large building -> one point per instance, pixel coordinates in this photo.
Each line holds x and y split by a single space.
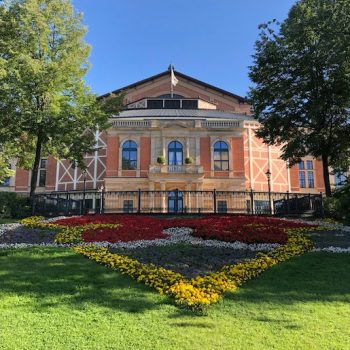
200 137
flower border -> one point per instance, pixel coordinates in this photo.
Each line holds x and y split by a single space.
201 291
195 293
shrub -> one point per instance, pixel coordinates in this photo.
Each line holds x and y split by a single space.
338 205
161 160
13 205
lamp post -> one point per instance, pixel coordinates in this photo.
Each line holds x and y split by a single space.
101 190
84 190
268 175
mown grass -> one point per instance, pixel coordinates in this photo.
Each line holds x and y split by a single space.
54 299
7 221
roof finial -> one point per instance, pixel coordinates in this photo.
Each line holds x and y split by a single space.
170 67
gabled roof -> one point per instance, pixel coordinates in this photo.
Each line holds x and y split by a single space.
181 75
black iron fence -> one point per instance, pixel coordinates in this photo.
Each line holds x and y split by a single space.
178 202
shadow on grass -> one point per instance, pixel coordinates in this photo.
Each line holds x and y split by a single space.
57 276
314 277
60 277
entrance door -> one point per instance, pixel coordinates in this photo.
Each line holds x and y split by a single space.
175 202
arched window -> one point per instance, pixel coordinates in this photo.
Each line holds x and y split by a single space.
221 156
129 155
175 153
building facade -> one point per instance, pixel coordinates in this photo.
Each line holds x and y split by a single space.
200 138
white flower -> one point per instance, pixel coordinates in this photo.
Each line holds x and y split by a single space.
332 250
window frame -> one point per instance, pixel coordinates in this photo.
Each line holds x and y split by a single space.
222 206
42 173
306 173
128 206
302 180
128 163
218 163
176 151
310 180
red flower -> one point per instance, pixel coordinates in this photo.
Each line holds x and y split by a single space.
248 229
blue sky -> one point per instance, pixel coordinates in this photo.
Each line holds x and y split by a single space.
211 40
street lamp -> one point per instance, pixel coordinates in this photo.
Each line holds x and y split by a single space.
101 189
268 175
84 189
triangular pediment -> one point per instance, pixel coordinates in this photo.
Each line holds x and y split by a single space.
187 87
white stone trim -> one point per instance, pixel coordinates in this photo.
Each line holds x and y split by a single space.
229 146
121 144
251 181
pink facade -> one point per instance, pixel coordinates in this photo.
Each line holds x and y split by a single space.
216 135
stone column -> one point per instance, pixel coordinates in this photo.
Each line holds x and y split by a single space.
163 198
188 197
151 195
164 147
187 147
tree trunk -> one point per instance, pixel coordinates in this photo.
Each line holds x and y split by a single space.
327 183
35 169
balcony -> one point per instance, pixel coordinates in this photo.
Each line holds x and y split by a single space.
176 169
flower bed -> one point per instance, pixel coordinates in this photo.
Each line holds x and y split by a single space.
198 292
130 228
247 229
201 291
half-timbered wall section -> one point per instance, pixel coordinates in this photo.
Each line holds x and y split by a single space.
70 178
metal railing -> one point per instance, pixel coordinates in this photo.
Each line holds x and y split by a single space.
178 202
185 169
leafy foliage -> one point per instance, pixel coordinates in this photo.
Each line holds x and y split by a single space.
338 206
13 205
301 92
45 106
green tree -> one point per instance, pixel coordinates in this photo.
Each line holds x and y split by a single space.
301 76
45 106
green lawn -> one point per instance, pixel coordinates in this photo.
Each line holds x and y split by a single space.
7 221
55 299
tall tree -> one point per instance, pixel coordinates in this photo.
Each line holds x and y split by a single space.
45 106
301 76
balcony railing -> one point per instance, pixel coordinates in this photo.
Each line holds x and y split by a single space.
179 169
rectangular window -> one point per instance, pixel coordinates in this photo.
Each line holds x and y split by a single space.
302 183
216 155
172 104
221 165
42 172
222 207
301 165
129 160
310 179
154 104
309 164
189 104
128 206
224 165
